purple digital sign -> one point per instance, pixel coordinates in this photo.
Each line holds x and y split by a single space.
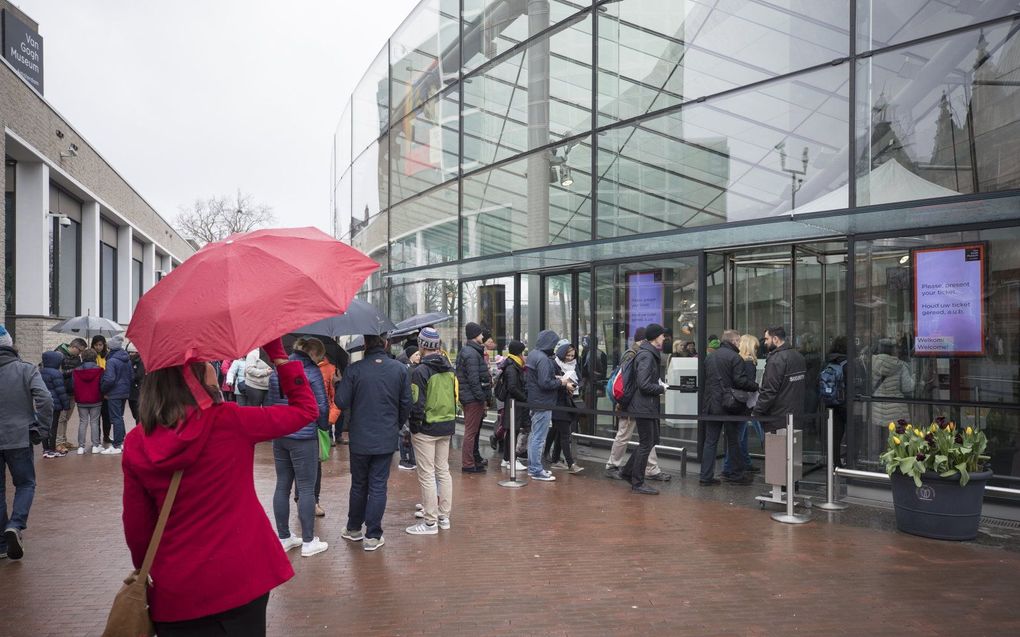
644 300
949 312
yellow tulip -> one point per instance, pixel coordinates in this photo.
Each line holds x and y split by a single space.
892 426
969 431
896 440
933 428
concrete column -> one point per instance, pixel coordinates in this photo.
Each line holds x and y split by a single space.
149 266
32 237
90 234
538 125
124 274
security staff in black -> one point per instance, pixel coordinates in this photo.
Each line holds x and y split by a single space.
783 384
645 405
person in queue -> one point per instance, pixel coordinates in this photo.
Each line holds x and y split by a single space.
646 407
782 384
205 577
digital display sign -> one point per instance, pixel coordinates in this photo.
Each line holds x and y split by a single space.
949 303
644 300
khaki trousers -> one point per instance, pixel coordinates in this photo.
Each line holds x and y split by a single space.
62 424
619 450
432 456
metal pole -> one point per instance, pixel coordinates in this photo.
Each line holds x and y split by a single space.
789 517
830 503
511 409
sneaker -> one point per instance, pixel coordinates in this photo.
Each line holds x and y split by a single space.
406 467
559 465
644 489
49 454
545 476
353 536
506 465
421 528
314 547
372 543
81 451
614 473
97 449
521 466
59 453
291 542
419 515
111 451
15 545
575 468
444 523
3 555
662 476
319 513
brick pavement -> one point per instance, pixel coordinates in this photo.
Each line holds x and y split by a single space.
580 556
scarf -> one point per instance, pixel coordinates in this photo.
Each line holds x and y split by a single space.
516 359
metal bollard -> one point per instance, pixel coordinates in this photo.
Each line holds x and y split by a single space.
831 504
789 517
511 409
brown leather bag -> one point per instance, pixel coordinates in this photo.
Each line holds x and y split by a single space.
129 615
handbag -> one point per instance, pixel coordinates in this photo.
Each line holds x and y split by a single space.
735 401
324 444
129 615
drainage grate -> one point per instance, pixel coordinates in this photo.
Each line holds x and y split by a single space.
1000 523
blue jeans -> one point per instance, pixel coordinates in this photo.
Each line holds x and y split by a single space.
296 460
21 462
727 467
540 421
117 420
713 431
369 474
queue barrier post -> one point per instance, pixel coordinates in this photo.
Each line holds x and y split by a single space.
510 410
831 503
789 517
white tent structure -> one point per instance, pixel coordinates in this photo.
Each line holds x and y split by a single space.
889 183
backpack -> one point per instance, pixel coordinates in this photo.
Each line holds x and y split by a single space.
499 388
620 386
832 384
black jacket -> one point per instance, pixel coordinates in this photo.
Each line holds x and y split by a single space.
67 366
782 386
513 375
724 372
376 394
646 374
138 375
473 373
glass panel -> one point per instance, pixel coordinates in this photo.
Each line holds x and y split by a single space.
536 201
560 305
890 363
424 230
749 155
428 296
342 140
493 27
884 22
490 303
342 207
9 234
632 295
425 148
107 282
136 282
540 95
369 186
424 54
370 104
650 58
70 270
940 118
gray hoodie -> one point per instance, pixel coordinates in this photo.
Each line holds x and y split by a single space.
27 405
540 372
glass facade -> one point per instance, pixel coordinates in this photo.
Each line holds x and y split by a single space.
108 281
65 254
744 163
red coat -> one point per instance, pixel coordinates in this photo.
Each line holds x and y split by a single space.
219 550
86 384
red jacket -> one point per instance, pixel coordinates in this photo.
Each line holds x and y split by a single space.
219 550
86 384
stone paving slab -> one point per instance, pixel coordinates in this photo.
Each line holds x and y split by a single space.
580 556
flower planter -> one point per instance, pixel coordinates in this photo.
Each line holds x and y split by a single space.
940 508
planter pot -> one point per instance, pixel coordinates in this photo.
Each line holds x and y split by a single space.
940 508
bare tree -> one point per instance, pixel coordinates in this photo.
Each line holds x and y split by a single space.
215 218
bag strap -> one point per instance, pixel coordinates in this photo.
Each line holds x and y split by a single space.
157 533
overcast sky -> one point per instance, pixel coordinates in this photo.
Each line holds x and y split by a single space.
197 98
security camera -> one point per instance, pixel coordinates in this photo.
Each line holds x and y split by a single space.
64 221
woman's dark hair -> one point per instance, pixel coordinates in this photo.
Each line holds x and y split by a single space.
164 398
97 340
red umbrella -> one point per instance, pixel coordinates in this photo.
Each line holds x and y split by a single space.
237 294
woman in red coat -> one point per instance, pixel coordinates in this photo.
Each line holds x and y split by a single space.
219 557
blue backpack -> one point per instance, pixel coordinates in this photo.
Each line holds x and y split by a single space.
620 384
832 384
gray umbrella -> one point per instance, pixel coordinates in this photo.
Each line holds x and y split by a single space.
87 326
418 321
360 318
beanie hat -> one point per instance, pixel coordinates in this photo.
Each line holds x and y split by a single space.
428 338
639 334
5 338
115 342
471 330
653 331
516 348
486 333
410 351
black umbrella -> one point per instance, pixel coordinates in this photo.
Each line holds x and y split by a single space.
356 344
360 318
87 326
418 321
